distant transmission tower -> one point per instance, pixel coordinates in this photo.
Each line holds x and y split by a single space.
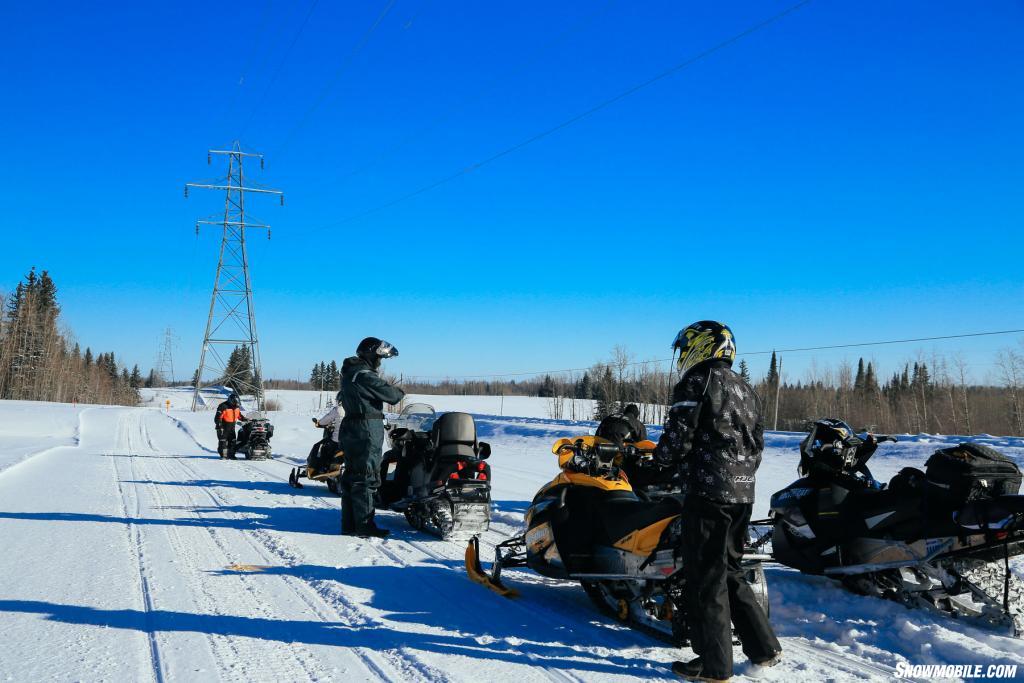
232 320
165 359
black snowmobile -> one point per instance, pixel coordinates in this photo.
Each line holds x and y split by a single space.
940 539
589 525
436 474
325 462
254 438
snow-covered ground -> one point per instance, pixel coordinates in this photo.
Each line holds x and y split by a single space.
131 552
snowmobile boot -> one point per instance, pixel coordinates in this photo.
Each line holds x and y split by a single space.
693 670
372 532
768 661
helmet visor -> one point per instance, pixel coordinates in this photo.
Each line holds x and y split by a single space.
386 350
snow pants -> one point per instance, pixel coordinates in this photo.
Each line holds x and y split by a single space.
226 440
361 479
716 592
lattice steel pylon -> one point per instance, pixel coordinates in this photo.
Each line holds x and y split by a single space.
232 319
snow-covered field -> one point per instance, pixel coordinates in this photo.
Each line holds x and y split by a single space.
132 553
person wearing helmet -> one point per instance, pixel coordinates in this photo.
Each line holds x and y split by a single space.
714 434
632 414
361 435
224 418
324 451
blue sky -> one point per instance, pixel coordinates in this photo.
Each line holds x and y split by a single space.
852 172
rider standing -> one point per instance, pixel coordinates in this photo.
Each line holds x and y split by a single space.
361 437
715 435
224 419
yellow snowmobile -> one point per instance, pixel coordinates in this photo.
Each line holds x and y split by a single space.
589 525
325 462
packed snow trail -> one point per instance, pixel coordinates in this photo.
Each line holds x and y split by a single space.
137 554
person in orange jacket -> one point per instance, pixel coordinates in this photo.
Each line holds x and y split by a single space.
225 417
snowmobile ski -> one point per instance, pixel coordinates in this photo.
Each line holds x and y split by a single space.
477 574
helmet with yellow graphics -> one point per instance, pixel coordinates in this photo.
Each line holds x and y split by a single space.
703 341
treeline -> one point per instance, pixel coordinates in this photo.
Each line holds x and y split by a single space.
41 362
931 394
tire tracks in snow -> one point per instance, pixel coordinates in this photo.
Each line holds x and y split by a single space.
234 656
319 597
136 546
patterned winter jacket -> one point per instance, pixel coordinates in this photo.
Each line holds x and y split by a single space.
714 433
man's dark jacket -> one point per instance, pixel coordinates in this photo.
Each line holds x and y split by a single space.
714 433
363 395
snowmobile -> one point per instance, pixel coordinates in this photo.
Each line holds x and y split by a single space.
325 462
254 438
939 539
589 525
648 479
436 474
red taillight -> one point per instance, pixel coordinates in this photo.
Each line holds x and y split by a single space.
460 464
482 476
480 466
455 475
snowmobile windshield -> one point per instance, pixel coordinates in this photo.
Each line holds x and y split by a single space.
418 417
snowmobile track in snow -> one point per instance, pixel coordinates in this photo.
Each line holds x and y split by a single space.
135 542
320 597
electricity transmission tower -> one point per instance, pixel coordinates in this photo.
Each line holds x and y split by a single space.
165 359
232 319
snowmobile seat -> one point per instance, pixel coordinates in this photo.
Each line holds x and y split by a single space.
455 436
993 514
621 516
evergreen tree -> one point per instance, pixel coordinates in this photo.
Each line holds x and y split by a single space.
152 380
858 381
773 372
135 379
547 387
745 371
333 376
238 374
88 357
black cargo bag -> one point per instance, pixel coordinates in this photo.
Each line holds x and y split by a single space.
970 472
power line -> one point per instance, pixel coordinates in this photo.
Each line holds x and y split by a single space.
337 76
672 70
489 88
277 69
746 353
264 20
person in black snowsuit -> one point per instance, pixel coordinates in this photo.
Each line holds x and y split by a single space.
714 434
632 414
361 436
224 418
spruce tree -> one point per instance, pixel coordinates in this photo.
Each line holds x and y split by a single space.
745 371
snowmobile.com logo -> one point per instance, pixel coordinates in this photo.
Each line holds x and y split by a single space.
965 671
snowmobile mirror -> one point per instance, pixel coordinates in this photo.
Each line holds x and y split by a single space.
483 450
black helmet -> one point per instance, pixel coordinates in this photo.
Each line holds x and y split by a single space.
616 428
631 409
374 350
702 341
233 400
831 446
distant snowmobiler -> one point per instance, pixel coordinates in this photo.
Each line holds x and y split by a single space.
326 459
224 418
